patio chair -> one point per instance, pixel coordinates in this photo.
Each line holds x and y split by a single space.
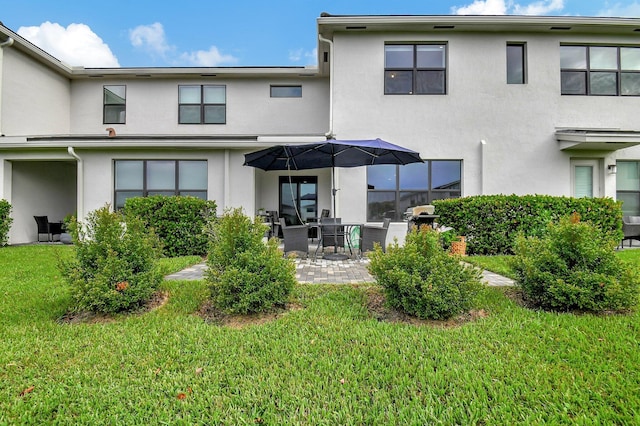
274 221
630 229
46 227
331 234
295 237
375 234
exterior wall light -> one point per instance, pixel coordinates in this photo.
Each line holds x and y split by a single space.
612 169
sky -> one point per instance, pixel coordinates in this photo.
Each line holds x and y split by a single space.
212 33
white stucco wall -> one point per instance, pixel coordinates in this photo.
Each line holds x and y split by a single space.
35 100
152 107
517 122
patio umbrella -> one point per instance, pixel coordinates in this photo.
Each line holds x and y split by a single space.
331 153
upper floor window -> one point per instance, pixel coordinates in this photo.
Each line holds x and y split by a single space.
202 104
600 70
392 189
415 69
141 178
286 91
114 104
516 64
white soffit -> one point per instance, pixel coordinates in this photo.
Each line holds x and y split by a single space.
596 139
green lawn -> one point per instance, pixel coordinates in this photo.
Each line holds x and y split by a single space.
328 363
500 264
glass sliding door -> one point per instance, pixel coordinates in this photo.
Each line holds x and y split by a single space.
298 198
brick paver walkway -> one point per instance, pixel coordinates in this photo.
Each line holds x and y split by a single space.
321 271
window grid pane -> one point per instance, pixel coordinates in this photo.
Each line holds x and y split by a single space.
390 197
415 69
161 179
600 70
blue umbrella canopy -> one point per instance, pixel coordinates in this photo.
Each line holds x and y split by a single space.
331 153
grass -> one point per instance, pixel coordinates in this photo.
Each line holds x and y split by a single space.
328 363
500 264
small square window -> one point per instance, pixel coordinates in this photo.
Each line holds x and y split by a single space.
202 104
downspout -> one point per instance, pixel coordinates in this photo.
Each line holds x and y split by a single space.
7 43
80 197
329 134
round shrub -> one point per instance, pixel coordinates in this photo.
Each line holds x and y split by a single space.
114 265
246 274
574 267
421 279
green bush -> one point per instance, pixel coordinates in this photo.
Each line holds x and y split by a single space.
491 222
114 265
178 221
5 221
421 279
246 274
574 267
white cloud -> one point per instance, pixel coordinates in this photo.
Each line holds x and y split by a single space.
151 38
504 7
482 7
628 10
208 58
539 7
298 55
76 45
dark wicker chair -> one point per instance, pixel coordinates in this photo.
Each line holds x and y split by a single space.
375 234
331 234
630 229
295 237
48 228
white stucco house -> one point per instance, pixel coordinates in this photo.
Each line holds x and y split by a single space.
494 104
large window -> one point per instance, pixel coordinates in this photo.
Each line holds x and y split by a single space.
516 64
393 189
600 70
202 105
141 178
415 69
628 186
114 104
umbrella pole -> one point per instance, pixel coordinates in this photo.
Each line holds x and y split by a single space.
335 255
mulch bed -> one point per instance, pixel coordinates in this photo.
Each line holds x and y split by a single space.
159 299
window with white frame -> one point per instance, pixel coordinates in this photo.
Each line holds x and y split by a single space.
600 70
141 178
628 186
202 104
392 189
415 69
114 104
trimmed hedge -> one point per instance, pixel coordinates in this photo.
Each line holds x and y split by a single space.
5 221
177 220
491 222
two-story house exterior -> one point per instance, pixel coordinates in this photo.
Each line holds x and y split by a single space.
494 104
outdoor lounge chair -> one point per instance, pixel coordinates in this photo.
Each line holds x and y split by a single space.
295 237
375 234
630 228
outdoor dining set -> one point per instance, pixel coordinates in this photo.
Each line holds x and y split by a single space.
348 239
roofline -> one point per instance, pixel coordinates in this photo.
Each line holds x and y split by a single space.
75 72
329 24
